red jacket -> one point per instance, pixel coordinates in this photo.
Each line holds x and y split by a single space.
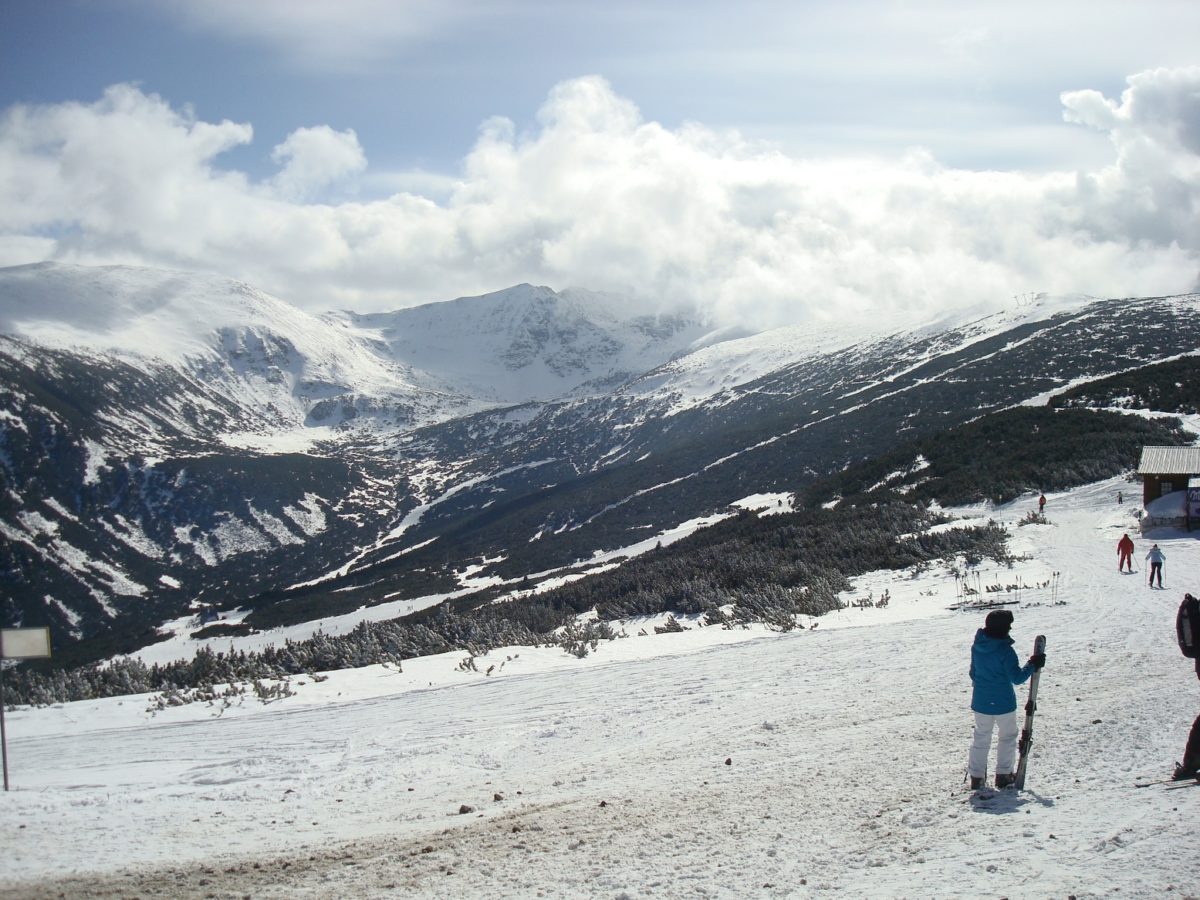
1125 546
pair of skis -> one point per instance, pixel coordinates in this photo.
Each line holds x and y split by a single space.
1026 741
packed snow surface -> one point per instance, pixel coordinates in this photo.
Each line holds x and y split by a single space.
707 763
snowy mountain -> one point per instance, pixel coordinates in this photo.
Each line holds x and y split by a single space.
170 439
529 343
689 439
291 369
167 435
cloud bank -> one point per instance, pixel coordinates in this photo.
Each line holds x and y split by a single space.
596 196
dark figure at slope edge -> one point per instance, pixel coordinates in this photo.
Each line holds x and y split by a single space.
1187 624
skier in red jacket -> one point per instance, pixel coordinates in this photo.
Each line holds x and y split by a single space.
1124 553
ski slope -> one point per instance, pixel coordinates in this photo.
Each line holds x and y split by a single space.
708 763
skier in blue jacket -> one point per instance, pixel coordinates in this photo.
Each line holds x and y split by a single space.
994 670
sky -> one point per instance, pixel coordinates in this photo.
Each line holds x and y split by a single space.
770 163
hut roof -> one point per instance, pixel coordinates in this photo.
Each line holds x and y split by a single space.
1169 461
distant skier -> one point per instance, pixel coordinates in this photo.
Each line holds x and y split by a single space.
994 671
1041 504
1156 558
1125 552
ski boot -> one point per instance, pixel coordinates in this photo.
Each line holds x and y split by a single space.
1184 773
1004 782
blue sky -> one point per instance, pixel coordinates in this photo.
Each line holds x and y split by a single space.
765 159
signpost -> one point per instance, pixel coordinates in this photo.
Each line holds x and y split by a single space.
18 643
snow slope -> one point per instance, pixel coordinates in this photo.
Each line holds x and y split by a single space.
706 763
718 367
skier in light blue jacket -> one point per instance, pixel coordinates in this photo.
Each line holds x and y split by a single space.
1156 558
994 670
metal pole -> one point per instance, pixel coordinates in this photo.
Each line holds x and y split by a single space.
3 736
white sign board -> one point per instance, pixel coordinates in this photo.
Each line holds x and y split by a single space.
24 643
18 643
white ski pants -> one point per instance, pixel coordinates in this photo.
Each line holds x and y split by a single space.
1006 746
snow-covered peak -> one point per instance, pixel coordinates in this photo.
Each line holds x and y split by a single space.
181 319
134 311
405 368
259 351
528 342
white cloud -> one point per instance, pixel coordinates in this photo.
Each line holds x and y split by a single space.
597 196
314 158
1152 191
121 177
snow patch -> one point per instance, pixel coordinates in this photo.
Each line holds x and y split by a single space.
132 535
72 617
275 527
295 440
767 504
95 459
309 516
12 420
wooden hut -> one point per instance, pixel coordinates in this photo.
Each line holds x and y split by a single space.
1165 470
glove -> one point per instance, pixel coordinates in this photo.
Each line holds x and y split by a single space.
1037 660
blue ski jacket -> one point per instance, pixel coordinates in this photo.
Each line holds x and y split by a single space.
994 670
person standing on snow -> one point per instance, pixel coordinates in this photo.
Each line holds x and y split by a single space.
1125 552
1157 558
994 671
1187 623
1041 504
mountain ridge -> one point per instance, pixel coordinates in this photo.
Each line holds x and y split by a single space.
137 489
